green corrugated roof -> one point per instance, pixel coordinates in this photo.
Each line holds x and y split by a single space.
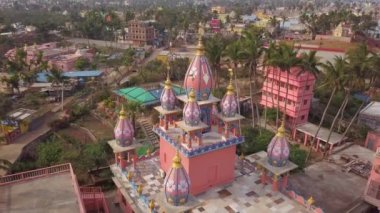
137 94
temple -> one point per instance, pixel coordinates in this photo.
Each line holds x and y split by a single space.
196 161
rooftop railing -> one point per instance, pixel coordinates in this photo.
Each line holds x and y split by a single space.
93 198
34 174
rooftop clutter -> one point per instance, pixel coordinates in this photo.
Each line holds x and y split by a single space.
123 131
278 148
177 183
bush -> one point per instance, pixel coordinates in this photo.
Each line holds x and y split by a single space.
49 153
254 141
297 155
219 92
272 114
59 124
78 111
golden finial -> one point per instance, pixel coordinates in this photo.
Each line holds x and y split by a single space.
139 189
177 161
311 200
168 83
242 157
281 129
129 176
148 151
200 47
122 114
230 87
191 96
25 46
151 205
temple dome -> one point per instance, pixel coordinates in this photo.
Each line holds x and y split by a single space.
199 75
168 98
192 111
177 183
278 148
123 131
229 103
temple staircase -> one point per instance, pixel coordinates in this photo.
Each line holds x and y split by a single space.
147 127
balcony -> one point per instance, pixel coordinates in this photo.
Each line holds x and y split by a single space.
94 200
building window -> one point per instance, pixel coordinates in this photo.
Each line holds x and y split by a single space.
307 87
304 102
302 117
164 157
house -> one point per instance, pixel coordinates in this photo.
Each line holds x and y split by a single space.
343 30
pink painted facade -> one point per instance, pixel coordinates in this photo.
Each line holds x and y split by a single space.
299 97
62 58
215 25
372 141
205 171
372 190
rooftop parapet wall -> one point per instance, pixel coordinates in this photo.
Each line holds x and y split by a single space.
200 150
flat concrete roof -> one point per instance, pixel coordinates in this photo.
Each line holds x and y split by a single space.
54 193
372 109
230 119
167 112
118 149
210 100
188 128
276 170
311 129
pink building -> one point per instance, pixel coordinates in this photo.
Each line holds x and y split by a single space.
215 25
372 141
372 191
62 58
53 189
299 97
66 62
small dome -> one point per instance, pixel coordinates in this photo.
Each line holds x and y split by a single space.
278 149
123 131
192 111
199 75
177 183
168 97
229 103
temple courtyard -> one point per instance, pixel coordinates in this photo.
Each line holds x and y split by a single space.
333 188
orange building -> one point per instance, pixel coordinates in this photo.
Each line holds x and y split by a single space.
140 32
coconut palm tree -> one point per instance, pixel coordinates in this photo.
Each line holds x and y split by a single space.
310 65
57 79
253 49
13 82
285 58
214 49
334 75
234 54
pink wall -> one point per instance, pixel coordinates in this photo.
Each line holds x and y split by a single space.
372 141
300 85
206 170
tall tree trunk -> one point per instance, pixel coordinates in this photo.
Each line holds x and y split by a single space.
251 67
62 98
278 95
342 115
352 120
320 124
336 117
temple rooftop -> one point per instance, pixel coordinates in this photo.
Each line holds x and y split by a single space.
244 194
211 140
54 193
210 100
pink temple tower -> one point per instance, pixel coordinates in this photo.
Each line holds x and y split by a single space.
204 139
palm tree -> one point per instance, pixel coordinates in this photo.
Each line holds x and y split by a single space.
233 52
13 82
285 58
214 49
57 79
310 65
132 109
334 76
253 50
310 21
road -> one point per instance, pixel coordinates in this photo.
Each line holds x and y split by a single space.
99 43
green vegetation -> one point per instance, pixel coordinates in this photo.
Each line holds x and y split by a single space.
254 141
82 64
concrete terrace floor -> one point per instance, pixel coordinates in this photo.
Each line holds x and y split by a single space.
332 189
54 193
